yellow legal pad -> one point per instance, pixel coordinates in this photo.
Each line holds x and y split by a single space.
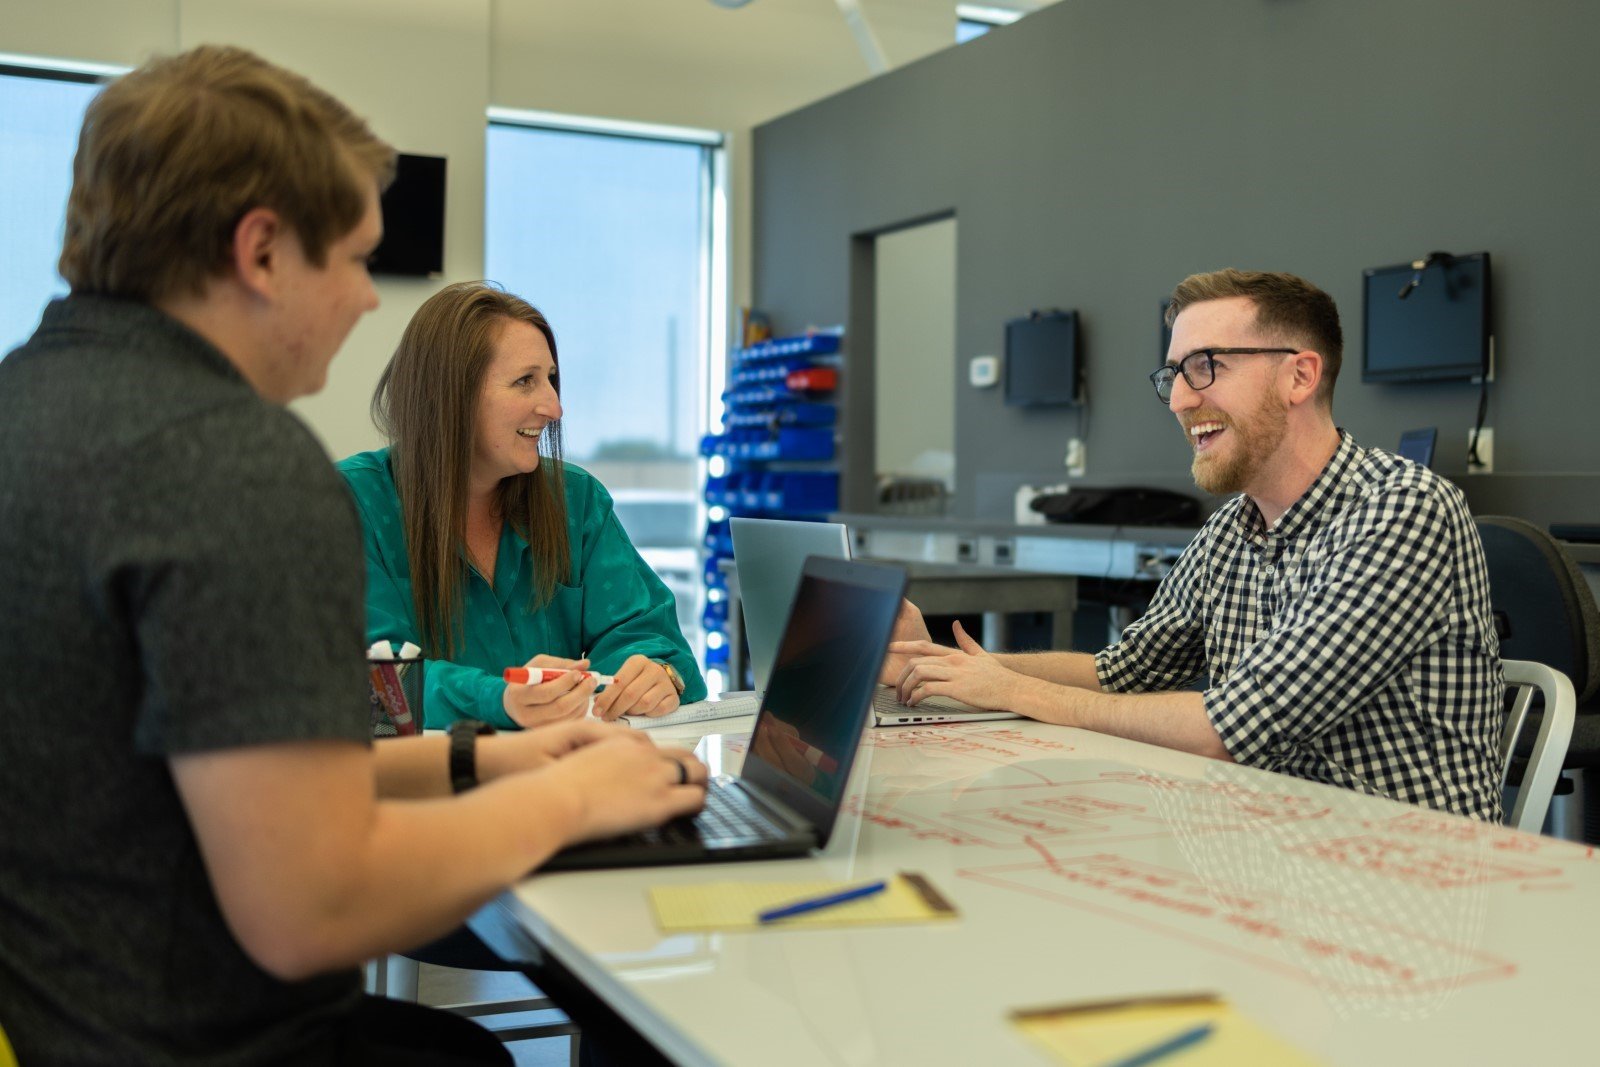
1111 1032
909 898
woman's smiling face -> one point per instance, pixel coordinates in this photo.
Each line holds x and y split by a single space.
517 400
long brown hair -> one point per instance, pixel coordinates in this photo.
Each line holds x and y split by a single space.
426 403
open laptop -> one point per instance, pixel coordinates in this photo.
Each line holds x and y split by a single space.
787 797
768 554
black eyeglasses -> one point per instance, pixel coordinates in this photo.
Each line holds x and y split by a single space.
1200 367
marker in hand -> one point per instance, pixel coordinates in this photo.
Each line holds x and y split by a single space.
524 676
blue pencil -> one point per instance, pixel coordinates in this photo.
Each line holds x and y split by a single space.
800 907
1176 1043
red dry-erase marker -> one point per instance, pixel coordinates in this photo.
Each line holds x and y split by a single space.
523 676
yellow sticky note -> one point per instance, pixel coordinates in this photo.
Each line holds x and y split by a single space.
1093 1035
736 905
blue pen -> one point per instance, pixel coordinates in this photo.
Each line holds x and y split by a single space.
1176 1043
800 907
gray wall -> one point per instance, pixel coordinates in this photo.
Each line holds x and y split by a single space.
1098 151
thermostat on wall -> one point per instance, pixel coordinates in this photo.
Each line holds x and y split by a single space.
984 371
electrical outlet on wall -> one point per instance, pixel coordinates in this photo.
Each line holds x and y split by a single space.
1485 464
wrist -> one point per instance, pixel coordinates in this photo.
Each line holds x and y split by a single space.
463 755
678 684
566 807
509 753
1039 699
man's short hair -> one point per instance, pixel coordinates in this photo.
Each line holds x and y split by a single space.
1289 308
175 153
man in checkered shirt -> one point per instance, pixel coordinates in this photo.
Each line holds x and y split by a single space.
1339 604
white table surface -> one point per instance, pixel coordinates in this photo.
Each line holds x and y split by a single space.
1084 867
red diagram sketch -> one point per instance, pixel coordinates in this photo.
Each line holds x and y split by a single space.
1500 840
1296 937
1419 862
1110 807
1001 746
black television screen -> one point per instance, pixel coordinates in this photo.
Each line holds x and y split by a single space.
413 219
1042 365
1438 332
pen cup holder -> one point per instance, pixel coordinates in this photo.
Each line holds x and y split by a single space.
394 689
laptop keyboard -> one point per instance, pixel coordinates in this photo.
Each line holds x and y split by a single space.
729 817
884 698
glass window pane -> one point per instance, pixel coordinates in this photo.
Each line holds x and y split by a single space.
39 121
604 235
608 236
967 29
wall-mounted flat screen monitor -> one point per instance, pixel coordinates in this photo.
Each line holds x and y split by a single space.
1437 332
1043 365
413 219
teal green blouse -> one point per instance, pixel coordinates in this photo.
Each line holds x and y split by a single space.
609 605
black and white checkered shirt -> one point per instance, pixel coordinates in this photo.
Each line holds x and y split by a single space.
1351 644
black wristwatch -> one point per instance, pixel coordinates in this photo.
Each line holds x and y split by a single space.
464 753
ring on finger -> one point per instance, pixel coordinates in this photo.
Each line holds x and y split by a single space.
683 772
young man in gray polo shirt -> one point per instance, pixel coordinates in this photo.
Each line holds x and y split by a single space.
200 841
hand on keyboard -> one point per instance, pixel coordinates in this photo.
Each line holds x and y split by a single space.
968 674
909 627
624 782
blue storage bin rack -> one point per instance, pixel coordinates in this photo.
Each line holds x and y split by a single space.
780 413
787 444
811 344
778 445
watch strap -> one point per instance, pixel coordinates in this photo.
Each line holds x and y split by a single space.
673 676
464 753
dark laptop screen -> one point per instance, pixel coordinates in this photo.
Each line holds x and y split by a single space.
1417 445
821 684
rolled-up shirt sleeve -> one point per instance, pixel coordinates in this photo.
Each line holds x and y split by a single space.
1372 603
1165 648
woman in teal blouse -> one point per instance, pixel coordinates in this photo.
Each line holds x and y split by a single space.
487 550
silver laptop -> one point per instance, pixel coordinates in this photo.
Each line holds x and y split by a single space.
769 555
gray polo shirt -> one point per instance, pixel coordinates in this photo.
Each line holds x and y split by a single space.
180 571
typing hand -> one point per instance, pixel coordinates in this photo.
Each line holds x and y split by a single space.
526 750
560 699
968 674
642 688
623 786
909 630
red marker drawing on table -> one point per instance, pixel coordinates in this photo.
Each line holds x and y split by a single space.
524 676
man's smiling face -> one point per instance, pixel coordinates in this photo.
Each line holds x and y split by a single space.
1237 423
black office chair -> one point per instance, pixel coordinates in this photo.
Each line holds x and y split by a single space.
1546 613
